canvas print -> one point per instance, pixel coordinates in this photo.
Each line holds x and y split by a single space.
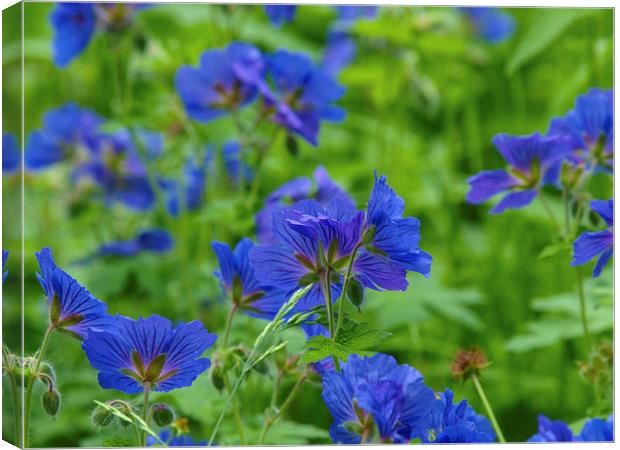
244 224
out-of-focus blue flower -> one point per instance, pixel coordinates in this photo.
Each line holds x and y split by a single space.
5 255
351 13
226 80
589 245
534 161
391 242
456 423
339 52
11 155
491 24
597 430
238 171
551 431
302 95
153 240
589 129
279 14
376 391
325 191
192 185
173 440
74 25
240 283
68 131
311 241
71 307
151 350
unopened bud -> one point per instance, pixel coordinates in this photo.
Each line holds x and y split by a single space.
102 417
355 293
217 377
163 415
51 402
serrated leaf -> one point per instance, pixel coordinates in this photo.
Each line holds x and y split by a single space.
353 338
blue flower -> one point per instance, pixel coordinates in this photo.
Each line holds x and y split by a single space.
151 240
597 430
192 186
74 25
240 283
68 131
534 161
352 13
589 129
226 80
491 24
391 242
325 191
339 52
589 245
71 307
302 94
376 391
11 155
238 171
148 351
551 431
311 244
5 255
450 423
278 14
173 440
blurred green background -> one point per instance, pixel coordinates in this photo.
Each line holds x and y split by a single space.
424 97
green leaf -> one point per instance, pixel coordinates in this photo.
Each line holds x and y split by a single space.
553 249
352 338
547 26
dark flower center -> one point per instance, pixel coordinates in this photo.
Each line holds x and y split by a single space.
148 373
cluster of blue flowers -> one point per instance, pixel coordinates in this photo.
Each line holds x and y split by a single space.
11 155
576 145
129 354
294 93
594 430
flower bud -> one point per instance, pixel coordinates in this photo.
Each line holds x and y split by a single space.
355 293
102 417
51 402
217 377
163 415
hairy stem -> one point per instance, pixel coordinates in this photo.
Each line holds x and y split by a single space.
228 327
345 286
31 381
487 406
145 410
291 396
327 294
14 395
235 408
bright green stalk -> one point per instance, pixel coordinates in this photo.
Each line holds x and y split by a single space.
487 406
145 409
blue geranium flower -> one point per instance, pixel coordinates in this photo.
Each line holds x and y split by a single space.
589 245
11 155
491 24
279 14
74 25
589 129
71 307
352 13
339 52
325 191
240 283
226 80
552 431
188 194
311 244
150 351
450 423
237 170
5 255
597 430
173 440
534 161
391 244
376 391
302 95
68 131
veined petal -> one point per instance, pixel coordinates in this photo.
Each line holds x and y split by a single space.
489 183
515 200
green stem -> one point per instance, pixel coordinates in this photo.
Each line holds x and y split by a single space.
276 388
31 381
228 327
15 396
582 306
145 410
291 396
128 411
566 201
345 286
236 412
549 211
327 294
487 406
